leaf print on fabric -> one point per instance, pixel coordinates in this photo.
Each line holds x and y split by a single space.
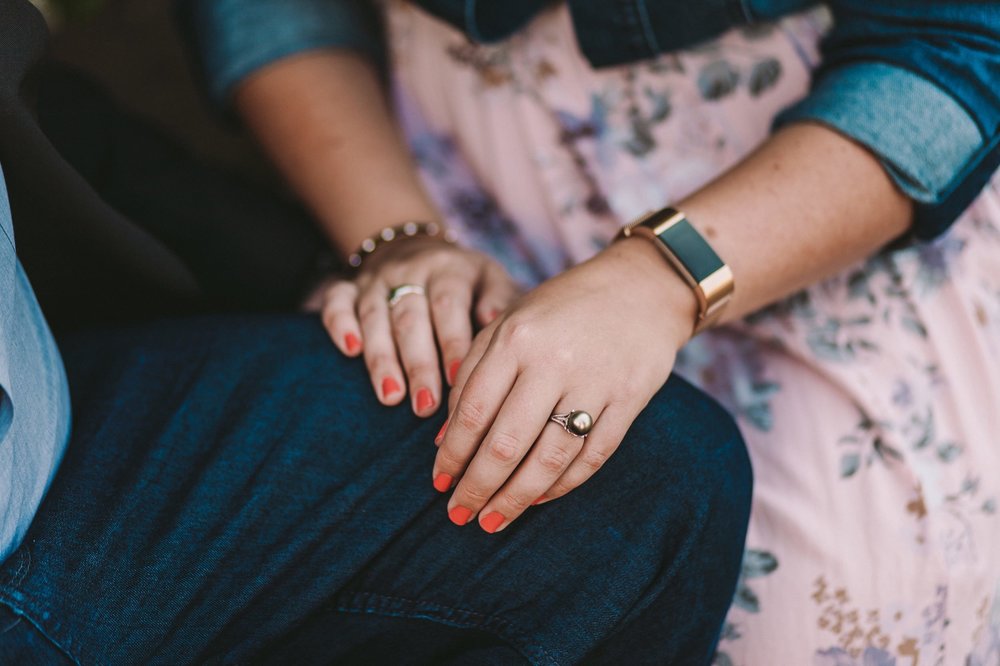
730 370
756 564
987 646
718 79
764 75
841 340
849 464
866 444
840 657
935 261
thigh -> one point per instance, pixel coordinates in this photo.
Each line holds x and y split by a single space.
232 485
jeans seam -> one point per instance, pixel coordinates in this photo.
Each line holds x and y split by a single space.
18 609
396 606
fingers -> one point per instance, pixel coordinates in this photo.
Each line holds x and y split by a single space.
450 298
552 454
607 434
495 293
411 326
471 418
339 317
379 348
513 433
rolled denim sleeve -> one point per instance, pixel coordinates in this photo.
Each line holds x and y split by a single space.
232 39
918 84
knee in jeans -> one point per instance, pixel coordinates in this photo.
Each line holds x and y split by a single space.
693 444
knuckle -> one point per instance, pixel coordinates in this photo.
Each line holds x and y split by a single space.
367 311
554 459
478 494
450 461
519 501
419 369
559 488
515 332
630 389
443 301
377 361
404 318
594 458
503 448
471 415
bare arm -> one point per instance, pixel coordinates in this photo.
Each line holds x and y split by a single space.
323 117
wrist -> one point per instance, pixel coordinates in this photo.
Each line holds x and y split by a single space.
663 287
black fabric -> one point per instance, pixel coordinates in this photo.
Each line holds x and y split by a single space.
247 247
113 222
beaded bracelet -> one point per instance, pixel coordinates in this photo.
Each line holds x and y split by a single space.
389 234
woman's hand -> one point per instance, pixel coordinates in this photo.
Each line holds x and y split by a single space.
601 337
408 344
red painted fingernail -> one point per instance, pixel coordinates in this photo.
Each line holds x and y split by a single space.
460 515
453 372
424 400
440 435
352 343
491 522
389 386
538 501
442 482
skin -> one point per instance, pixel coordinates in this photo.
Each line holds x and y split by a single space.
601 336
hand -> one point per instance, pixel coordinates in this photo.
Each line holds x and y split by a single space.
601 337
408 344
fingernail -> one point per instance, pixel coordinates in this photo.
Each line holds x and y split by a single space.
424 400
389 386
453 372
442 482
440 435
491 522
352 343
538 501
460 515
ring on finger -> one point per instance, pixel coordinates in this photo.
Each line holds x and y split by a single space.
576 422
396 294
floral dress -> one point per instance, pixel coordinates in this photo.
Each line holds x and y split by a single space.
870 402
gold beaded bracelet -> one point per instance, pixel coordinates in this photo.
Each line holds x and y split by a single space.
389 234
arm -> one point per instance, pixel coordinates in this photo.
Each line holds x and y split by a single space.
322 117
806 204
303 75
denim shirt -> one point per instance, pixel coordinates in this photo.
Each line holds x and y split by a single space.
915 81
34 395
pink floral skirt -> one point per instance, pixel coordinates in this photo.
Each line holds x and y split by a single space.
870 402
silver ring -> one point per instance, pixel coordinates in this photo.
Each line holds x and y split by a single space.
396 294
577 422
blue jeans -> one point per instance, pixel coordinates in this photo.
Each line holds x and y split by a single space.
233 492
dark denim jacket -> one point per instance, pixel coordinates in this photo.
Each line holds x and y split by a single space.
915 81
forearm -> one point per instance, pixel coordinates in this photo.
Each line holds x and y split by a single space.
323 118
805 205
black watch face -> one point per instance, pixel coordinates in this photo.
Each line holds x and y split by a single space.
690 248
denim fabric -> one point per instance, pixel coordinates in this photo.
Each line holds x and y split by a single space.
235 38
930 141
937 58
34 398
234 492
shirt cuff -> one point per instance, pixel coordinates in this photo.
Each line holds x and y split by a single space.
238 37
923 137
